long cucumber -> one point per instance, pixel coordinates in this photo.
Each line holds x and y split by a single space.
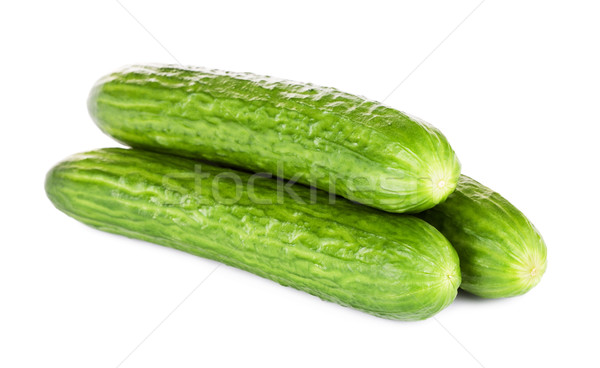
338 142
389 265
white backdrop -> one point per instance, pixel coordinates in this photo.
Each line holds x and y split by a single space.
514 85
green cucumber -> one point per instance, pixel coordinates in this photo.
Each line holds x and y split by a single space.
389 265
501 253
319 136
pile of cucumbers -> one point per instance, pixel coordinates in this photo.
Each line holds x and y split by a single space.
330 193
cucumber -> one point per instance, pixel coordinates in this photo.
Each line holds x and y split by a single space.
389 265
319 136
501 253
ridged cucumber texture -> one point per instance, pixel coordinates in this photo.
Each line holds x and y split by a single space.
389 265
501 253
338 142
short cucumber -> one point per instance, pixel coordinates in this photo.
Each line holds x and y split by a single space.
338 142
389 265
501 253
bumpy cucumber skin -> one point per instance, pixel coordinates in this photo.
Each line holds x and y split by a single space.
389 265
338 142
501 253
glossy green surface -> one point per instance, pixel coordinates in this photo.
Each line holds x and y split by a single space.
393 266
501 253
341 143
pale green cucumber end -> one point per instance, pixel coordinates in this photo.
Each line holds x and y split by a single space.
441 182
450 277
517 280
533 268
453 279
